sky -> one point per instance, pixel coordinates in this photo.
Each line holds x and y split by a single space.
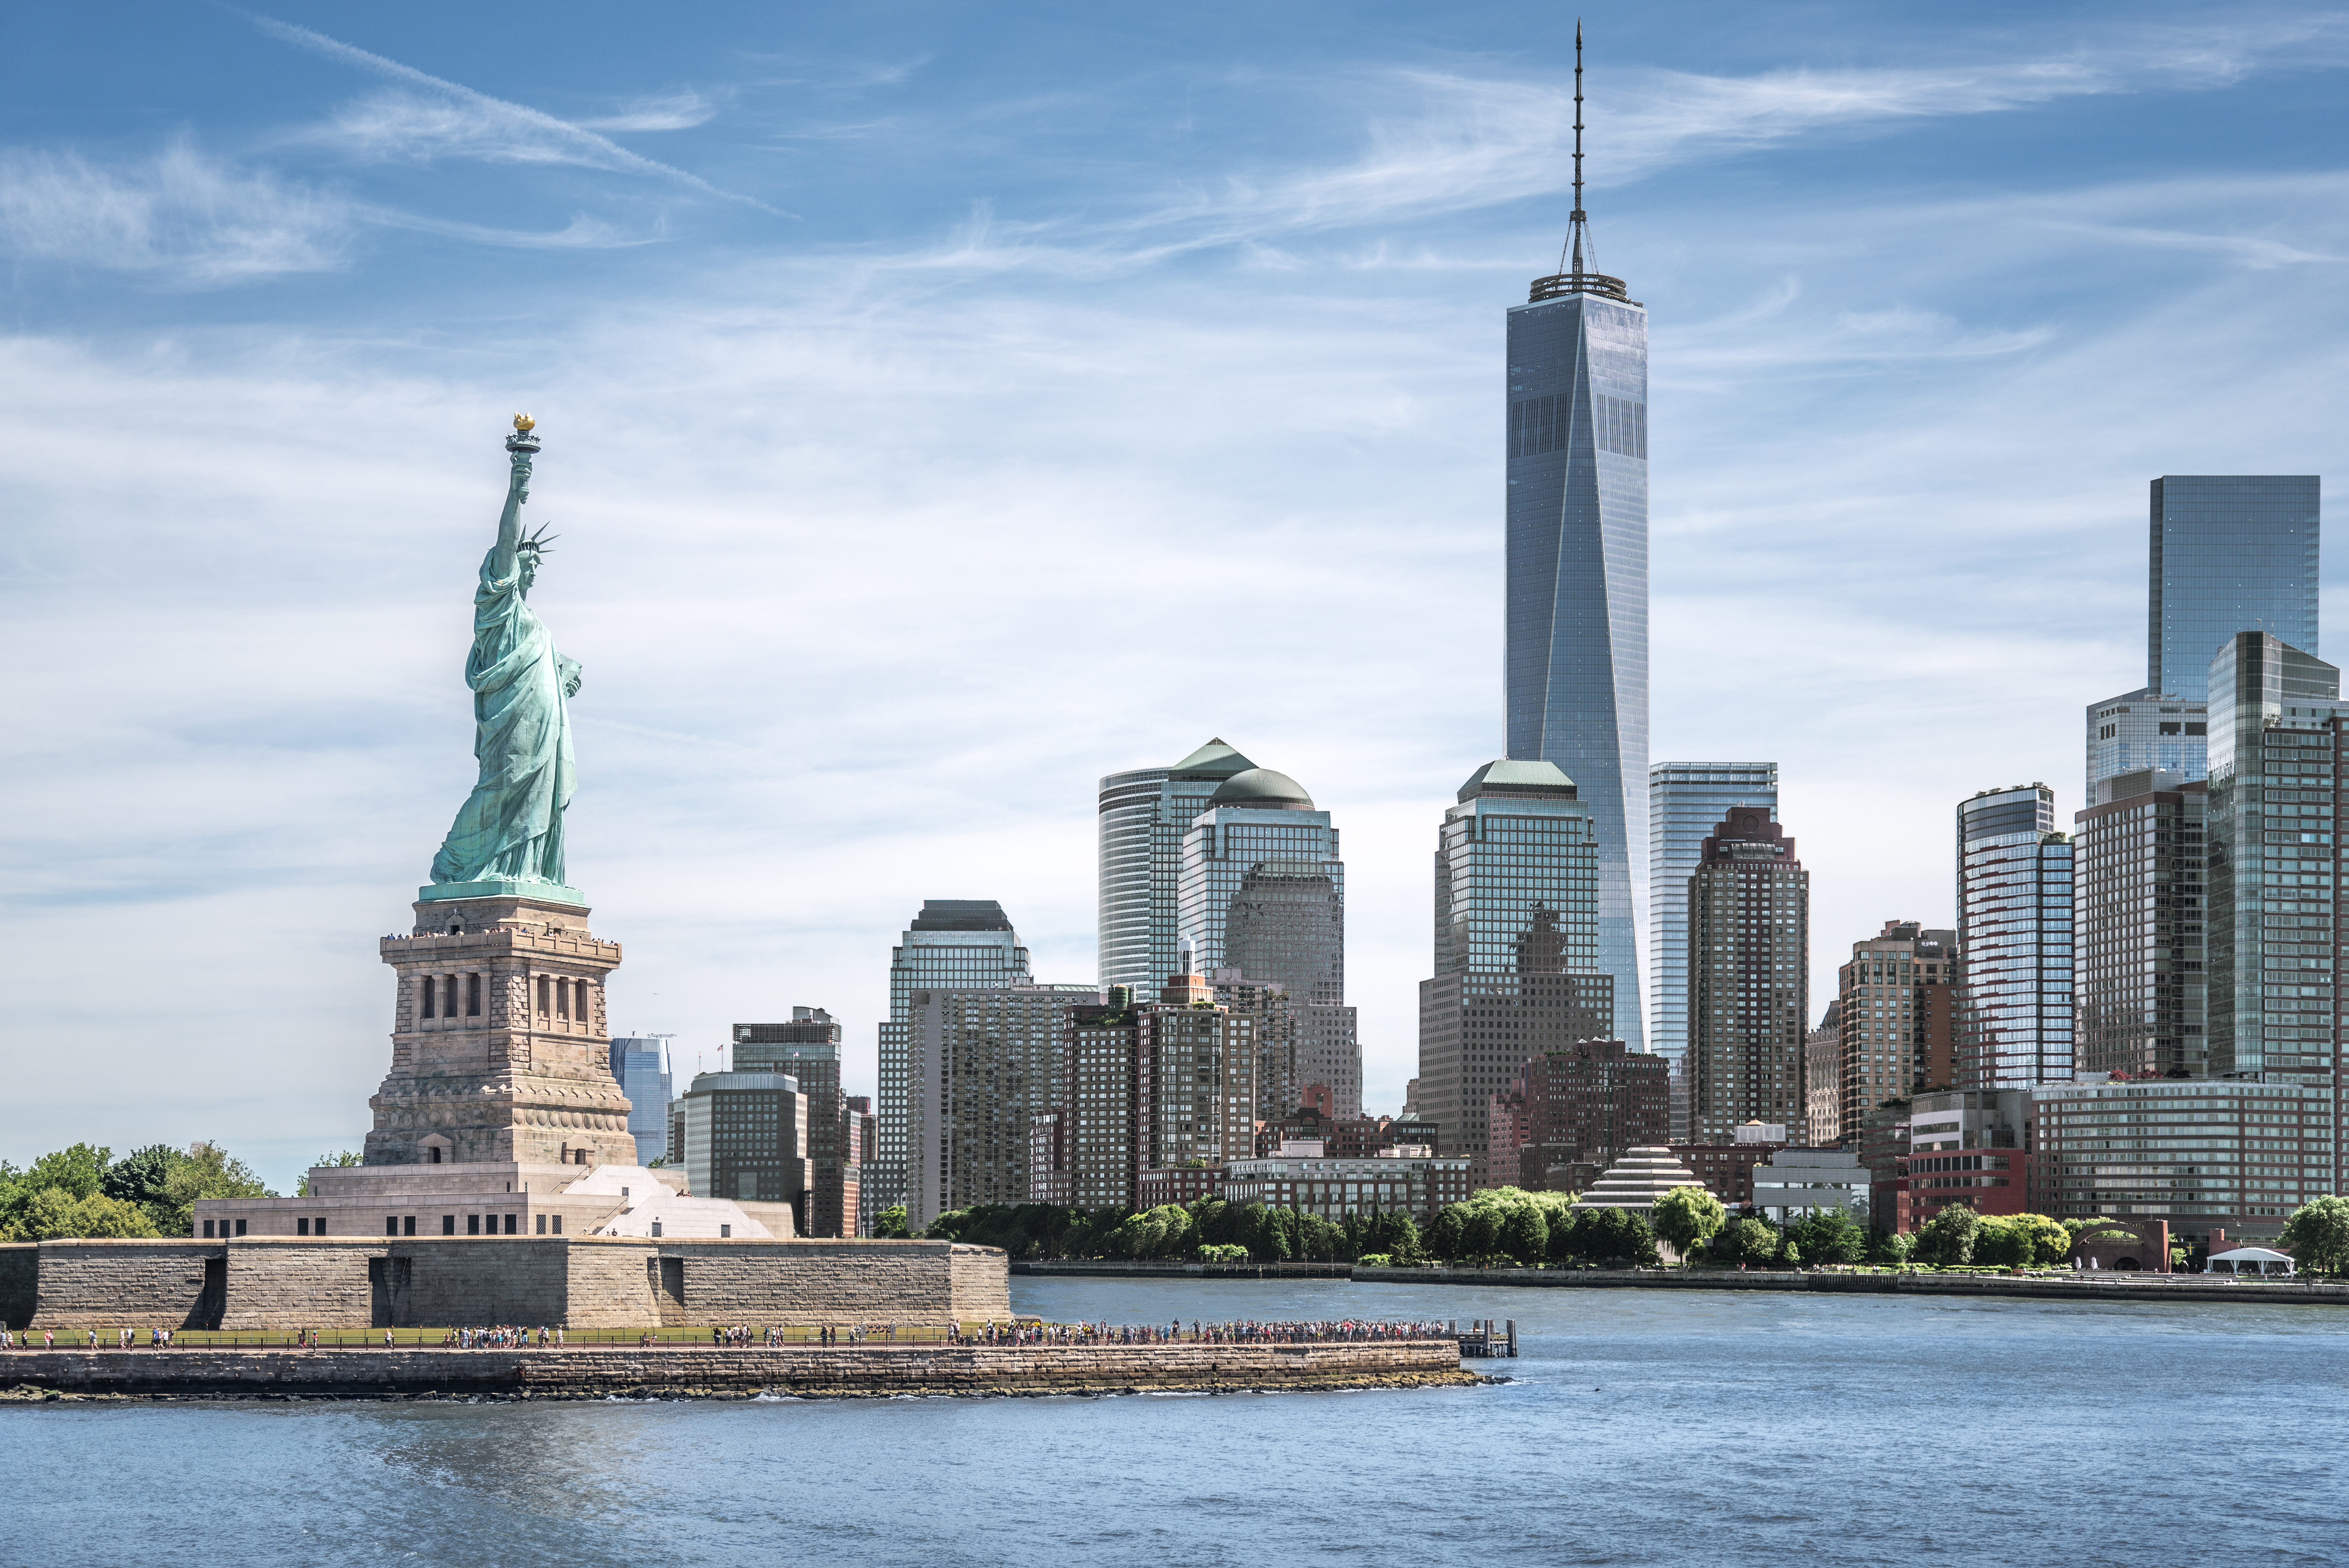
945 406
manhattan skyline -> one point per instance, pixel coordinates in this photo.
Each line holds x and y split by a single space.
897 377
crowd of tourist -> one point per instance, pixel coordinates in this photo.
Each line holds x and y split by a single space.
1239 1331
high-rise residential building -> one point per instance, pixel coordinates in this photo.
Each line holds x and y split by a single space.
1585 1106
2014 926
1516 944
1094 1144
1896 1020
1273 1017
2141 928
1748 903
1262 890
640 1064
1823 1078
744 1136
808 1048
1685 799
984 1062
1577 453
1144 814
2228 553
2271 831
954 943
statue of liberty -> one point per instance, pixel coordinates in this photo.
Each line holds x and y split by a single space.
510 830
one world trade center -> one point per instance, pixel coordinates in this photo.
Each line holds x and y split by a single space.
1577 565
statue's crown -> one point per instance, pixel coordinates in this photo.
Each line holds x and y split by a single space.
538 543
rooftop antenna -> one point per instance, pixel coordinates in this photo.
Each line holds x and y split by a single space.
1570 278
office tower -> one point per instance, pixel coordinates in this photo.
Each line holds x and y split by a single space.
1144 814
1585 1106
1262 890
2140 927
1896 1021
1094 1144
863 1150
1272 1014
2228 553
808 1048
982 1064
2271 829
2014 926
1577 566
1685 800
2140 731
2238 1155
1823 1080
745 1137
1516 944
954 943
1748 905
641 1067
1967 1145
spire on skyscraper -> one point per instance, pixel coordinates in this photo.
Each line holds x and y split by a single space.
1570 278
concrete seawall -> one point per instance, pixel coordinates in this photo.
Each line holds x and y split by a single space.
2093 1286
844 1371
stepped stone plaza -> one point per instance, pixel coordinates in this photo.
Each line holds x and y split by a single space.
500 1181
1638 1180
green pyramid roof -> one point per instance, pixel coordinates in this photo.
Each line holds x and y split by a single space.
1213 760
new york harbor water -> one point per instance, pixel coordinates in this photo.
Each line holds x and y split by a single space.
1637 1426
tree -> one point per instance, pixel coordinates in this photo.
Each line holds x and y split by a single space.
1948 1238
1828 1236
1890 1247
2318 1235
52 1214
891 1221
1447 1238
1482 1240
205 1170
1688 1217
1749 1242
1525 1234
2001 1243
138 1176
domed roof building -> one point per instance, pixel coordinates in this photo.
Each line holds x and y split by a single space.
1261 786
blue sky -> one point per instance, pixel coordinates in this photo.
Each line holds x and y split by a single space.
947 404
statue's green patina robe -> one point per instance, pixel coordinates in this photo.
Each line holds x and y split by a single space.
511 827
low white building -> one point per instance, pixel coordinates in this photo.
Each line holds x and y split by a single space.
1794 1182
1308 1180
492 1199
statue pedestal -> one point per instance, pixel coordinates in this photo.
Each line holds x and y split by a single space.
544 892
500 1050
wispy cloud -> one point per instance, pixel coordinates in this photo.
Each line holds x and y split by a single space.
450 119
670 111
181 212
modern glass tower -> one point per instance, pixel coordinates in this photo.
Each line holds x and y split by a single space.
955 944
1686 801
1577 447
1262 890
641 1065
2228 554
2275 724
1145 812
2014 926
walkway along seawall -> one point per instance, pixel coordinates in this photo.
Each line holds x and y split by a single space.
822 1371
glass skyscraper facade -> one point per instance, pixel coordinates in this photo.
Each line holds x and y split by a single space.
2275 723
1145 813
955 944
2142 927
2228 554
1686 801
2143 730
2014 1025
1517 970
640 1066
1577 446
1262 890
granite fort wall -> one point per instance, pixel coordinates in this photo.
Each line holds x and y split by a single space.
865 1370
283 1282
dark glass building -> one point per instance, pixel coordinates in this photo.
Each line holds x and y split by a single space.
1685 800
2142 927
1576 452
2229 552
1516 946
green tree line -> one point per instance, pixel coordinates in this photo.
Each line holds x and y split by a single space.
83 1191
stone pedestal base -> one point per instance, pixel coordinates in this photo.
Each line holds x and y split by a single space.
501 1050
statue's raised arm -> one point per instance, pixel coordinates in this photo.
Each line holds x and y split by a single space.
508 836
